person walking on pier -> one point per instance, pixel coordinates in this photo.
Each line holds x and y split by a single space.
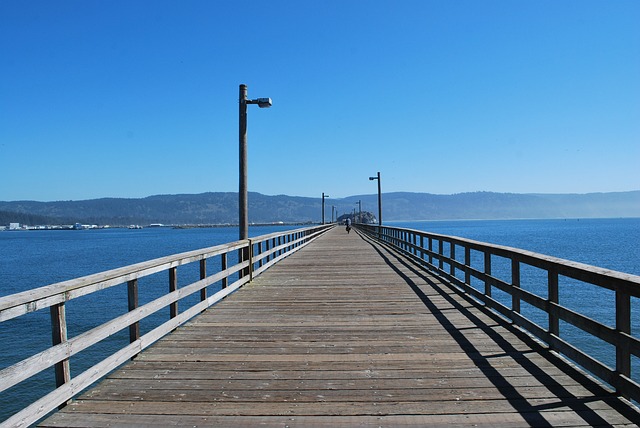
348 225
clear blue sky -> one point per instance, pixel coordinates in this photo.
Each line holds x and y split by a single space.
136 98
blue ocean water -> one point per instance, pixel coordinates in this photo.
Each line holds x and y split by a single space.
608 243
33 259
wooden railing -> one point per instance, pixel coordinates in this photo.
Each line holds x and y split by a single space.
250 257
525 288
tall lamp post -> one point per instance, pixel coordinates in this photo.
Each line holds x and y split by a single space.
359 211
242 194
379 199
323 196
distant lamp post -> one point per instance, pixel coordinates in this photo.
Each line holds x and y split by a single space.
333 209
323 197
359 211
242 194
379 198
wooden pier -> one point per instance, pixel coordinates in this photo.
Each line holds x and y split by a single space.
346 332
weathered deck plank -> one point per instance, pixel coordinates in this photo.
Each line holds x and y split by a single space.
345 333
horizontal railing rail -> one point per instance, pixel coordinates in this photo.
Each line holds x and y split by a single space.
472 268
253 257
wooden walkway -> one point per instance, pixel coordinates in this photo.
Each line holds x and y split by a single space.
346 333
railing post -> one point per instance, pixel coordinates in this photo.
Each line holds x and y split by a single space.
440 254
623 325
223 267
203 275
259 253
431 251
554 322
452 257
58 336
132 297
515 282
250 260
173 286
487 271
467 263
267 248
243 255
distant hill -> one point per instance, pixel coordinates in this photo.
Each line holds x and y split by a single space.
222 208
490 205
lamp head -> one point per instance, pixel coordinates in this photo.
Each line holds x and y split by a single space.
264 102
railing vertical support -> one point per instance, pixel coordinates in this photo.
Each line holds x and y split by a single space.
267 248
440 254
173 286
203 275
515 282
554 322
467 263
259 253
430 251
623 325
243 256
58 336
223 267
487 272
132 297
452 258
250 251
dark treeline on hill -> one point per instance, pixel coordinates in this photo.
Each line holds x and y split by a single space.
222 208
7 217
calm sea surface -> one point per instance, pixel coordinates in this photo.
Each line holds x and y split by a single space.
33 259
608 243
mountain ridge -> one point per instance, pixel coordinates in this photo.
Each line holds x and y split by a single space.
222 207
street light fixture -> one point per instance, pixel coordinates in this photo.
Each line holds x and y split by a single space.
323 196
242 194
379 198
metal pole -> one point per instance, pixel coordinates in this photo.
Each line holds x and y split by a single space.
242 193
379 201
323 196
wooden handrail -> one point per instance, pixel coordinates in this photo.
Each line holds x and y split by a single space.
437 253
56 296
